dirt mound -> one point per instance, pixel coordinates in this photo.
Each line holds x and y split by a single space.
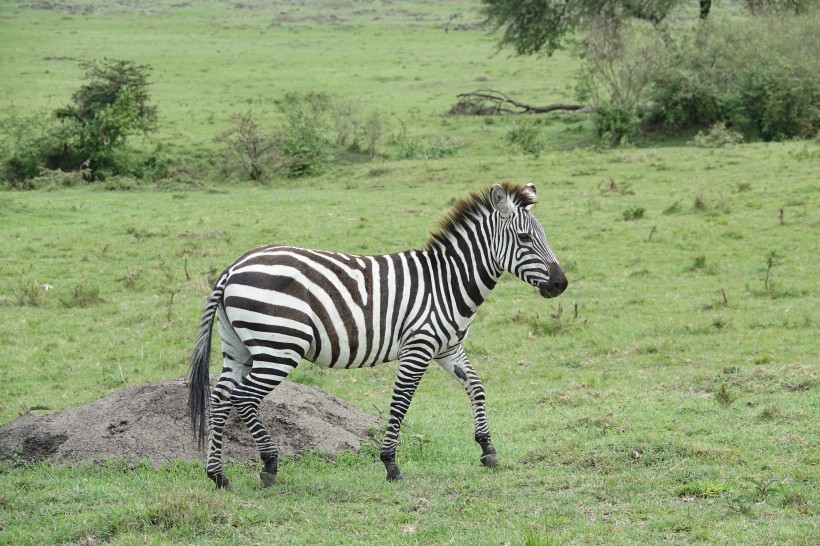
152 422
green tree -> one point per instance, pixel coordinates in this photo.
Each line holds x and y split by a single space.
105 111
624 44
542 26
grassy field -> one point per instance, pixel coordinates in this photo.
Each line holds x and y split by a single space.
670 395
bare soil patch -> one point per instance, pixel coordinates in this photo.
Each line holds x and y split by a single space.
151 422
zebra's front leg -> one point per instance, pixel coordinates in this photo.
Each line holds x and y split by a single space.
407 380
456 363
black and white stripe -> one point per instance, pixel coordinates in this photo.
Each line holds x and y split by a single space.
278 305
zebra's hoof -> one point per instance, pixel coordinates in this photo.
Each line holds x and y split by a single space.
489 460
221 482
267 478
393 473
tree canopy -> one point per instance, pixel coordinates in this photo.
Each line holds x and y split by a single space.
109 107
541 26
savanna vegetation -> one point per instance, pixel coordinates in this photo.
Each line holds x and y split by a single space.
670 395
672 64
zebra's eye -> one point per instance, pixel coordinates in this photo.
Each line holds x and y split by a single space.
524 238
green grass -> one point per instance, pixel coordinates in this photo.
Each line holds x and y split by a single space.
609 423
672 398
219 59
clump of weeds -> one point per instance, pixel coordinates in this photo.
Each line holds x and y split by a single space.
724 395
556 324
84 295
30 293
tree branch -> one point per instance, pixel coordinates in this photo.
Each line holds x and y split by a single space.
488 102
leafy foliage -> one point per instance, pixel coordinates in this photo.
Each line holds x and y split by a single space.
24 144
108 109
718 136
248 149
538 26
759 76
318 129
88 135
527 136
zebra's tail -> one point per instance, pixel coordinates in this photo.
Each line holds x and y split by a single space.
198 379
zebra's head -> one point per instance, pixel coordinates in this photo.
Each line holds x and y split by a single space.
520 244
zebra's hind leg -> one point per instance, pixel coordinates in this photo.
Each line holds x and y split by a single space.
232 373
236 365
456 363
264 377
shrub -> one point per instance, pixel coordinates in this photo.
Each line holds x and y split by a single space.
420 148
88 135
773 102
415 147
682 91
724 395
25 142
56 179
105 111
84 295
620 61
318 129
526 135
757 75
718 136
635 213
372 130
248 150
31 293
616 122
307 145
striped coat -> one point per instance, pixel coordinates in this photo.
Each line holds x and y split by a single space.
280 304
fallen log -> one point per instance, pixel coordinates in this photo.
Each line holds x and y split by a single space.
488 102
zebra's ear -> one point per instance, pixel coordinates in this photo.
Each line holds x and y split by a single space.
530 188
500 201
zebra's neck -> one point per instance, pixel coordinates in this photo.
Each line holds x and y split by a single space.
466 267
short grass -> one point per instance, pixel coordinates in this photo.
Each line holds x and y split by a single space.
678 400
221 58
670 395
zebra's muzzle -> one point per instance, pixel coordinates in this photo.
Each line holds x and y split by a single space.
556 284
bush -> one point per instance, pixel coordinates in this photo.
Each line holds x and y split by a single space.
307 145
615 122
757 75
89 135
318 129
25 143
321 128
414 147
248 150
718 136
620 61
526 135
105 111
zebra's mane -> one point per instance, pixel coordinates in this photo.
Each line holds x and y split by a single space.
477 204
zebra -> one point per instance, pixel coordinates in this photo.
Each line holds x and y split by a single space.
280 304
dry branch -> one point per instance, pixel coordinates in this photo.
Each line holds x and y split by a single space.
488 102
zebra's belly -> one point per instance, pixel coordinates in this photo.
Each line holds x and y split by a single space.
344 357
